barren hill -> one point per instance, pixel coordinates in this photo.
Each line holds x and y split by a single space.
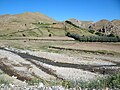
21 22
36 25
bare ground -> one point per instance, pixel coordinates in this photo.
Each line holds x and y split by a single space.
75 61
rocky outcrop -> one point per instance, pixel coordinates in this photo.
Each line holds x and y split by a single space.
103 26
82 24
107 27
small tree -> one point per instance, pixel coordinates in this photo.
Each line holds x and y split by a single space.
111 35
23 35
92 31
50 35
67 34
98 33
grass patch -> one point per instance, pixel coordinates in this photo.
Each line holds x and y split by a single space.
64 83
3 81
32 33
112 82
34 81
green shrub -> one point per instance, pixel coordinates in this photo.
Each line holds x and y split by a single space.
111 35
112 82
68 84
3 81
67 34
98 33
34 81
92 31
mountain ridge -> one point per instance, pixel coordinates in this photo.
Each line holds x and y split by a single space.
34 20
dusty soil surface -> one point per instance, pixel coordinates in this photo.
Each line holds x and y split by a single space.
93 46
55 38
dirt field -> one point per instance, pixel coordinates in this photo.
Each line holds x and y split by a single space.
93 46
59 58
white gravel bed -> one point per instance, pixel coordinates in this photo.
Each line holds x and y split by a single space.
67 73
65 58
70 59
21 65
71 73
12 57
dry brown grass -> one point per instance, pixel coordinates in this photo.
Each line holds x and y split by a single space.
93 46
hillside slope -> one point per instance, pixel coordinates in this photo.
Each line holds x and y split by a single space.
20 22
38 25
35 25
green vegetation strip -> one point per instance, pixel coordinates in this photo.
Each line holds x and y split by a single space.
111 82
93 38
